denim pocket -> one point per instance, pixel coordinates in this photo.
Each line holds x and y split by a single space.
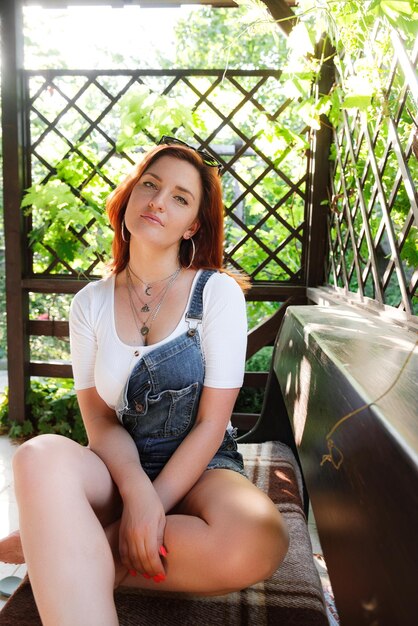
136 407
173 411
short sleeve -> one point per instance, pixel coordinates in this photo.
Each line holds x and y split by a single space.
83 339
224 332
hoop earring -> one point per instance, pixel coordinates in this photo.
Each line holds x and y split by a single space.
193 254
123 231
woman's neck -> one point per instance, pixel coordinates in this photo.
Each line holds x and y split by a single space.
152 267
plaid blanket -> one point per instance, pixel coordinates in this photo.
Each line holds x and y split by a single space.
291 597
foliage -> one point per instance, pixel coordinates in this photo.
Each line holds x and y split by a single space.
52 408
250 400
240 38
146 115
67 210
350 29
59 215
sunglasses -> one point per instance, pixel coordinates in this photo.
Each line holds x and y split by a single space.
208 159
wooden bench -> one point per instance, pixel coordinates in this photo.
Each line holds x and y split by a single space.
361 471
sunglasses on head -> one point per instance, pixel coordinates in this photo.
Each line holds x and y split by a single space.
208 159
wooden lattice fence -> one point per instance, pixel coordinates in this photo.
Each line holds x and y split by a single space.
373 240
74 117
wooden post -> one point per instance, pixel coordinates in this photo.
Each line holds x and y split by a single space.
282 13
319 181
14 181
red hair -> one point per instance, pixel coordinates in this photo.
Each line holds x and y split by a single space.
209 237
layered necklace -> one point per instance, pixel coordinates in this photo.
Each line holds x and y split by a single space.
144 326
149 286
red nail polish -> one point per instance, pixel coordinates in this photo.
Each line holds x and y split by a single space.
147 576
159 578
132 572
163 551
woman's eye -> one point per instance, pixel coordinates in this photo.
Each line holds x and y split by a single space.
149 184
181 199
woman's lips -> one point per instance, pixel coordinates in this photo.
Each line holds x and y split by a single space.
152 218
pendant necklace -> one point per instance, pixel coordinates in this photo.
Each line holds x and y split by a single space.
145 306
149 286
144 330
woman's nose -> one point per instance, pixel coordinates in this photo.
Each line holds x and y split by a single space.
157 202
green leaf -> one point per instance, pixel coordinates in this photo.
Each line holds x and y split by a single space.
357 102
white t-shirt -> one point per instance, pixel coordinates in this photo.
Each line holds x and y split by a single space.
100 359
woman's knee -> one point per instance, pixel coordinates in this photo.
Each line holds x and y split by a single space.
41 456
257 549
274 543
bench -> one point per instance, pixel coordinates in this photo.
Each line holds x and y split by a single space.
342 399
292 597
349 381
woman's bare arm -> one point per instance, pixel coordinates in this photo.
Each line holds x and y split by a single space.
143 518
191 458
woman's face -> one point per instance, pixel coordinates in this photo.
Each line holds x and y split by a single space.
164 204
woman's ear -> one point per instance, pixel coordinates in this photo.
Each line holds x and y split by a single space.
192 230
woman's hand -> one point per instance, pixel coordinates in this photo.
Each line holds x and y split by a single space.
141 533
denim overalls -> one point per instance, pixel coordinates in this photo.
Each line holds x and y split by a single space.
161 397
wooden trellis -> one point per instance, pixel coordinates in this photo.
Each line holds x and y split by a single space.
235 144
375 173
351 247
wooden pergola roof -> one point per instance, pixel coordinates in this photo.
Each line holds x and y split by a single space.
280 9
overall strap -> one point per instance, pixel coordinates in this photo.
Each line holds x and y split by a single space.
195 312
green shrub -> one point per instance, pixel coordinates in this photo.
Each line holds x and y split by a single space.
52 408
250 400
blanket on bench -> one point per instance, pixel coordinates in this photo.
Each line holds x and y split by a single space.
291 597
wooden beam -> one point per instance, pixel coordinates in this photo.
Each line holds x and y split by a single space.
275 292
315 245
51 370
50 328
256 380
53 285
244 421
63 4
259 291
14 177
265 333
283 14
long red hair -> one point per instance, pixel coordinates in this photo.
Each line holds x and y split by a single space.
209 237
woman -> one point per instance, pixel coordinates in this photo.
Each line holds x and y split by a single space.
159 498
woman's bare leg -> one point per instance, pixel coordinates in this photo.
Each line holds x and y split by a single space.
65 493
225 535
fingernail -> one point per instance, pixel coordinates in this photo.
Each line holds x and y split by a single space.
132 572
159 578
147 576
163 551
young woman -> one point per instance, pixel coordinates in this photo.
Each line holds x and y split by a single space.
159 498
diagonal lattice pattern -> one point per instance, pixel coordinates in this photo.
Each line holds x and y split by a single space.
373 237
75 121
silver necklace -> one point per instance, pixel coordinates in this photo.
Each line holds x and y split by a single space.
145 306
149 286
144 330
